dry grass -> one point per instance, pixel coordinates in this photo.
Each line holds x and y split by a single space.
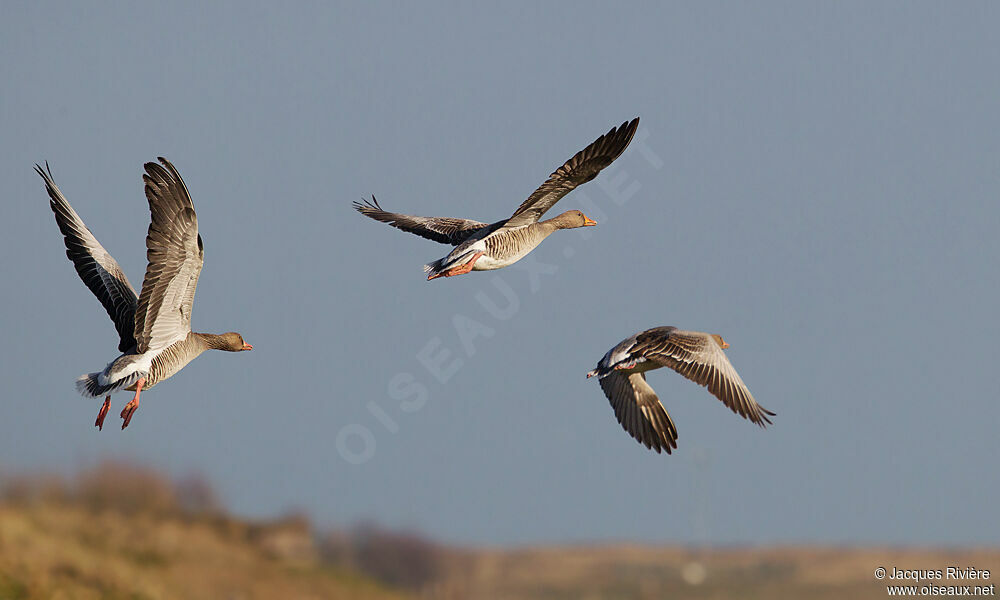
631 571
124 532
121 532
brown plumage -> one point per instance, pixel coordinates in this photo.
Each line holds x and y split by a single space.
99 270
445 230
695 355
154 327
481 246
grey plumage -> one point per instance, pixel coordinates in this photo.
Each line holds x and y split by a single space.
174 254
445 230
99 270
581 168
90 386
504 242
507 244
154 327
639 411
696 355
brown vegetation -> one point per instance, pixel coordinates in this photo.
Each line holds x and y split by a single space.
124 532
653 572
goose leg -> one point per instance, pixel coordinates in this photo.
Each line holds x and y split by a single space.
104 412
133 404
459 270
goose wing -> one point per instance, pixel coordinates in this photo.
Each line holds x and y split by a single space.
445 230
584 166
639 410
699 357
174 253
99 270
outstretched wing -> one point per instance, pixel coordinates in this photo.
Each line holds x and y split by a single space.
699 357
445 230
639 410
584 166
174 253
99 270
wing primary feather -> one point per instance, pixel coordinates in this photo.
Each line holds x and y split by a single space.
99 271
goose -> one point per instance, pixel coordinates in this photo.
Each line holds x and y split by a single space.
696 355
483 246
154 327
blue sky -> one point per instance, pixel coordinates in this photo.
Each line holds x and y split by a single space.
817 182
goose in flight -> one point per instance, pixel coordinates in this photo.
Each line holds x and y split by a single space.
695 355
483 246
154 327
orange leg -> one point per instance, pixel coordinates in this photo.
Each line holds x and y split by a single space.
133 405
460 269
103 413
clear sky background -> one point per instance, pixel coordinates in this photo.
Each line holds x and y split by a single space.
817 182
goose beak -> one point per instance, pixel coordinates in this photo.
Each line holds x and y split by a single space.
588 222
246 347
724 345
592 373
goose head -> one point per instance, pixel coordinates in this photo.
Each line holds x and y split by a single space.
571 219
718 340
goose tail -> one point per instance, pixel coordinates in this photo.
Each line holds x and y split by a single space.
435 268
89 384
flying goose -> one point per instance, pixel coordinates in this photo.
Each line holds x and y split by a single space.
154 327
695 355
483 246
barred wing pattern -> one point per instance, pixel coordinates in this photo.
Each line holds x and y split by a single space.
99 270
445 230
698 357
639 411
175 253
584 166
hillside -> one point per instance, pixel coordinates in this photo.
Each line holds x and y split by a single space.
121 532
125 532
